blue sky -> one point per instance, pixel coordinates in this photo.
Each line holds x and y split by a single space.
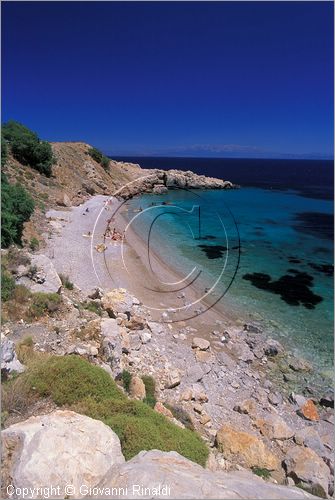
173 78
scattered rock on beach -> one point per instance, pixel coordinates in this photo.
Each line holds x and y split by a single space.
307 469
309 411
274 427
199 343
299 365
173 379
245 448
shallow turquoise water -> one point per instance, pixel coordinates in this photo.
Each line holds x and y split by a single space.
281 234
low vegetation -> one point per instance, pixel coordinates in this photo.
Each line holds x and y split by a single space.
99 157
93 307
66 282
27 148
21 303
73 382
126 379
7 285
150 390
180 414
16 208
261 472
34 244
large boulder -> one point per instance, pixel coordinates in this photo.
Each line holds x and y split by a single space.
42 276
118 301
58 449
274 427
247 449
9 361
308 470
157 474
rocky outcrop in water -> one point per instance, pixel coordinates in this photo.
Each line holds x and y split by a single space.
159 181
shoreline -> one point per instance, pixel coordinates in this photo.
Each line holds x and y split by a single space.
112 273
218 371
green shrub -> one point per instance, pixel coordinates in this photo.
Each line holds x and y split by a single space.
7 285
70 379
99 157
34 244
93 307
27 148
88 389
16 208
150 389
105 163
43 303
261 472
180 414
66 282
126 379
4 151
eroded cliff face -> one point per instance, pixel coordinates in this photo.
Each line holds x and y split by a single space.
76 177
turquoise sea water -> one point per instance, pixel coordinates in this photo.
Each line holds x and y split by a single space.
269 252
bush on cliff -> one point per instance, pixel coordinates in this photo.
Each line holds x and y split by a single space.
27 148
99 157
16 208
88 389
4 150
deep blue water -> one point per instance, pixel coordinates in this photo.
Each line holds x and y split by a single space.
268 245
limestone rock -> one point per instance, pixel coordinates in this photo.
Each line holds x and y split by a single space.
160 408
203 356
272 347
9 361
248 407
246 448
159 189
145 336
173 379
45 279
137 388
309 411
306 467
226 360
156 469
309 437
195 373
299 365
199 343
118 301
60 448
274 427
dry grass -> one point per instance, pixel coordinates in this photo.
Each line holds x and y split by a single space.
17 396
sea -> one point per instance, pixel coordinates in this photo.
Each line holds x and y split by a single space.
263 251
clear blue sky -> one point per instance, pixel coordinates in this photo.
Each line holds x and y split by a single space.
198 78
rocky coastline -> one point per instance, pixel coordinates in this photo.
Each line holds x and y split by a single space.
160 181
265 415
